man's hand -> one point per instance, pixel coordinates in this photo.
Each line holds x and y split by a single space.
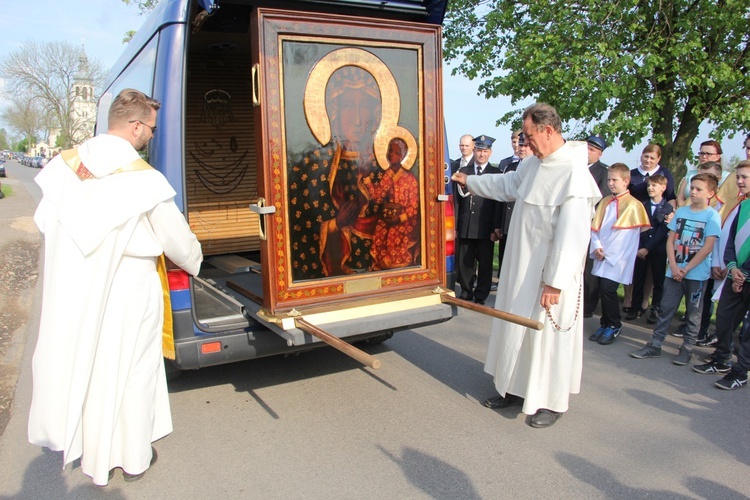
550 297
599 254
642 253
459 178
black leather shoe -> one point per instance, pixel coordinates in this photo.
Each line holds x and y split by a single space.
135 477
545 418
466 296
503 402
480 302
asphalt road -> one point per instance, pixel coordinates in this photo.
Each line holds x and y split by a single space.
318 425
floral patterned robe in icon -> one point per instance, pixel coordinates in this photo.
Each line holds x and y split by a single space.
319 185
395 245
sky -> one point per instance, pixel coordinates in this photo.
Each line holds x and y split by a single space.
100 26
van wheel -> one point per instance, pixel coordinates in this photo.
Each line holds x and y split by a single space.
173 373
377 339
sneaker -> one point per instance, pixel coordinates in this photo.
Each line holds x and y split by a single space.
647 351
711 341
710 358
732 380
712 367
683 357
597 334
609 335
653 317
680 332
634 313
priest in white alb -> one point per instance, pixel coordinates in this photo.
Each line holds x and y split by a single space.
542 270
107 216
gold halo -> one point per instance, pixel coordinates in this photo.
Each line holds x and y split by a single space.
383 137
315 103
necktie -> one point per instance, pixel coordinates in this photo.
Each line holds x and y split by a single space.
479 170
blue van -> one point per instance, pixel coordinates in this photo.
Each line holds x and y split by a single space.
305 142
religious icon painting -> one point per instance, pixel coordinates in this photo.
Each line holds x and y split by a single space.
352 155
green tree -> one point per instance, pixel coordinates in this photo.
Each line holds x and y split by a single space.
25 116
628 69
4 143
24 144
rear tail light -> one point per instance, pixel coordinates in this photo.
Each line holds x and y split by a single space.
450 227
178 280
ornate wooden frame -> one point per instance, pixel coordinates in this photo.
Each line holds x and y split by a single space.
279 29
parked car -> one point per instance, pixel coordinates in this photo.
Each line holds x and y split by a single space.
38 161
2 168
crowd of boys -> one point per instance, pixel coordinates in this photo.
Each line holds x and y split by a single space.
680 244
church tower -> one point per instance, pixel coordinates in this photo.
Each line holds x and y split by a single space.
83 110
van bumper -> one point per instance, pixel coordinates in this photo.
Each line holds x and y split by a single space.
272 336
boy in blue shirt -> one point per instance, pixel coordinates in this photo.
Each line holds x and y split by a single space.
692 232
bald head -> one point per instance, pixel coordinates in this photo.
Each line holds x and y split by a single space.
466 145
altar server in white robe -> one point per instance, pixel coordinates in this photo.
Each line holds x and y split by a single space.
542 270
99 389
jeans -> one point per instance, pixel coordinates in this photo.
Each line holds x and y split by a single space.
692 290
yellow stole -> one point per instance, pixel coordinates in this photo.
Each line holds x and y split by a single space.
72 160
630 212
729 196
728 207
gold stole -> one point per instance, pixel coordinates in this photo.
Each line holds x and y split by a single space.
728 207
72 160
729 195
630 212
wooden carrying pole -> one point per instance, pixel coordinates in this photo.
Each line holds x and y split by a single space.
491 311
339 344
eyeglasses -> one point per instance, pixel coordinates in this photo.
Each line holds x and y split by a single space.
706 153
153 129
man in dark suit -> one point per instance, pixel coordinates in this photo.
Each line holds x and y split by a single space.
599 171
514 157
466 146
478 218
